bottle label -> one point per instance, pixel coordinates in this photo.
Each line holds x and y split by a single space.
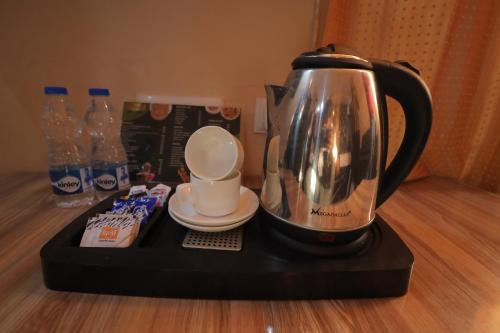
113 178
70 180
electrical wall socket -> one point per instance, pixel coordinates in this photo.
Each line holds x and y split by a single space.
260 116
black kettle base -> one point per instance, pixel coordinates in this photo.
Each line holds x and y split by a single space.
323 244
316 249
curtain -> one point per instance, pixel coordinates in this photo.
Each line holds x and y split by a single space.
456 46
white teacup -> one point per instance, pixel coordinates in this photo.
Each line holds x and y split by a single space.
213 153
216 197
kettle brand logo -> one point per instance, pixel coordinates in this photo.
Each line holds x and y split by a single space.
320 213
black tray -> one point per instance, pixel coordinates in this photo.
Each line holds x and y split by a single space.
156 264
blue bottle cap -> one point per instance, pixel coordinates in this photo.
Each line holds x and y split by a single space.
98 92
55 91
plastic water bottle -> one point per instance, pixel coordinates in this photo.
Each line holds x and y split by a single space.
108 158
69 165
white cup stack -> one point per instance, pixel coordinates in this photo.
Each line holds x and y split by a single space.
214 200
214 157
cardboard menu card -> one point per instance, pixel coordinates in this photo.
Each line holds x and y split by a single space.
154 136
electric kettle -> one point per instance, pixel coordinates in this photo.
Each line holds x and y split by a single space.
325 156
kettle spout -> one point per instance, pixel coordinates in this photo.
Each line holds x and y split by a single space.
275 95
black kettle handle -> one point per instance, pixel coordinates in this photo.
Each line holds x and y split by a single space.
399 81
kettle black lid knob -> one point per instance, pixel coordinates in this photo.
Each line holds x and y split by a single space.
331 56
330 48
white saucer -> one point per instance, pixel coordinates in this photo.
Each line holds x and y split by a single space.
207 228
181 205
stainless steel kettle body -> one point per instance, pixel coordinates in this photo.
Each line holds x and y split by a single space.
323 157
324 163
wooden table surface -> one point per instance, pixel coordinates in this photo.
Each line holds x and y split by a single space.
453 231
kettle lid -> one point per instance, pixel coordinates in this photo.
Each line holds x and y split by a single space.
331 56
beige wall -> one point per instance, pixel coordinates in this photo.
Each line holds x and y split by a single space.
227 49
